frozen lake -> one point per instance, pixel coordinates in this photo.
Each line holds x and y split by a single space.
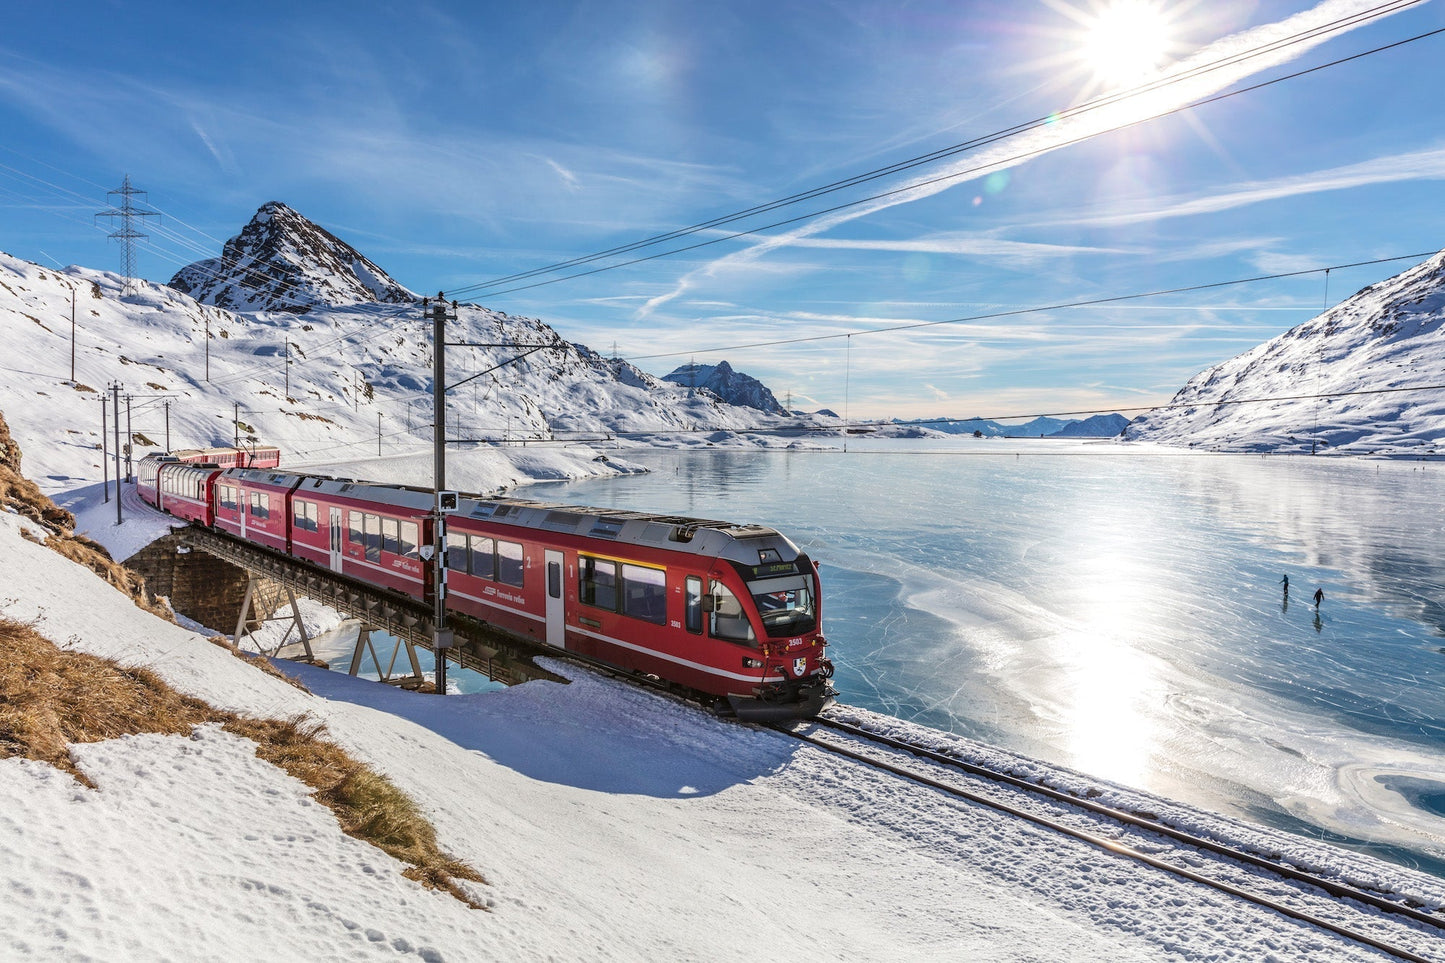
1121 611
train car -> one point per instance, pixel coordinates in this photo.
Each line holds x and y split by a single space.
728 610
147 476
255 504
368 531
260 456
179 488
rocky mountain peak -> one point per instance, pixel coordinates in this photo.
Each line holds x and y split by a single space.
281 261
731 386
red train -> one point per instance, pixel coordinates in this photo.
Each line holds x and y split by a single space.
730 611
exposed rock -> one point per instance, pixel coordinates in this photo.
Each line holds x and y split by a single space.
283 262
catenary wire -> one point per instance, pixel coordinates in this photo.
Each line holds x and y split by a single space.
951 151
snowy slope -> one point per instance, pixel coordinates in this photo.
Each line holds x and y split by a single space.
337 383
1385 338
610 824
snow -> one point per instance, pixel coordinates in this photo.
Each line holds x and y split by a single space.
1363 378
610 824
359 380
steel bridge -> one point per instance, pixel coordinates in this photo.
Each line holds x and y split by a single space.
477 646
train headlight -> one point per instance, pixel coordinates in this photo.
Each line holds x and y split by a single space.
749 663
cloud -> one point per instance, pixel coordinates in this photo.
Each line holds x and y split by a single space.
960 244
1419 165
1069 130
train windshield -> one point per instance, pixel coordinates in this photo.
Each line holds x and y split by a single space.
786 605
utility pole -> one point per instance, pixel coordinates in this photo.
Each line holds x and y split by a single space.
129 441
286 352
236 422
127 234
167 406
443 636
115 387
208 345
72 334
104 451
378 434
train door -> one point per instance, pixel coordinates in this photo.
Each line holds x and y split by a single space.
556 612
338 536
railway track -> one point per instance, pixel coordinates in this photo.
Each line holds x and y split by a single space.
1393 926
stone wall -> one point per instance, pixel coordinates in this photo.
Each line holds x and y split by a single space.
199 586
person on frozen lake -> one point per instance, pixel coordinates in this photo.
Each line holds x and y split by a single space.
1319 596
1285 582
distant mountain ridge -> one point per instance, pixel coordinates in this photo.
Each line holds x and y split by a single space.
281 261
731 386
1363 377
1099 426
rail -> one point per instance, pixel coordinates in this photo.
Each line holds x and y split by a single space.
1412 923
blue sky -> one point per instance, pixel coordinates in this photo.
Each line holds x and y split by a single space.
454 143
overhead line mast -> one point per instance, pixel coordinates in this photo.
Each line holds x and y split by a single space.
127 234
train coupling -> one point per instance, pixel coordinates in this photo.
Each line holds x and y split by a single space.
780 701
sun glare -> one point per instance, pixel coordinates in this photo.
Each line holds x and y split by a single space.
1127 41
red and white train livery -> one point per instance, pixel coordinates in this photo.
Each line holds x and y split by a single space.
731 611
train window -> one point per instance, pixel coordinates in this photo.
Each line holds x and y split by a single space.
391 536
644 593
785 604
260 505
409 539
303 515
353 528
509 563
692 605
729 621
457 553
597 582
554 580
483 563
371 537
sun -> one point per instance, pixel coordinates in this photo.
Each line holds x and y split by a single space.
1127 42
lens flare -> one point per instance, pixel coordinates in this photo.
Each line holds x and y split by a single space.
1127 41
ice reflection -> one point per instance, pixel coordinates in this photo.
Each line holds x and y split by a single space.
1125 614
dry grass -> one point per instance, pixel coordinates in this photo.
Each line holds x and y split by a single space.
366 803
24 497
52 697
93 556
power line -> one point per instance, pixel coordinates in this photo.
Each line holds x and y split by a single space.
1091 302
942 153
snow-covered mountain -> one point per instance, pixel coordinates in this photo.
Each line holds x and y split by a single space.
350 375
283 262
1386 339
1099 426
731 386
1096 426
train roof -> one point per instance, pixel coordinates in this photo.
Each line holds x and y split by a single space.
746 544
743 543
